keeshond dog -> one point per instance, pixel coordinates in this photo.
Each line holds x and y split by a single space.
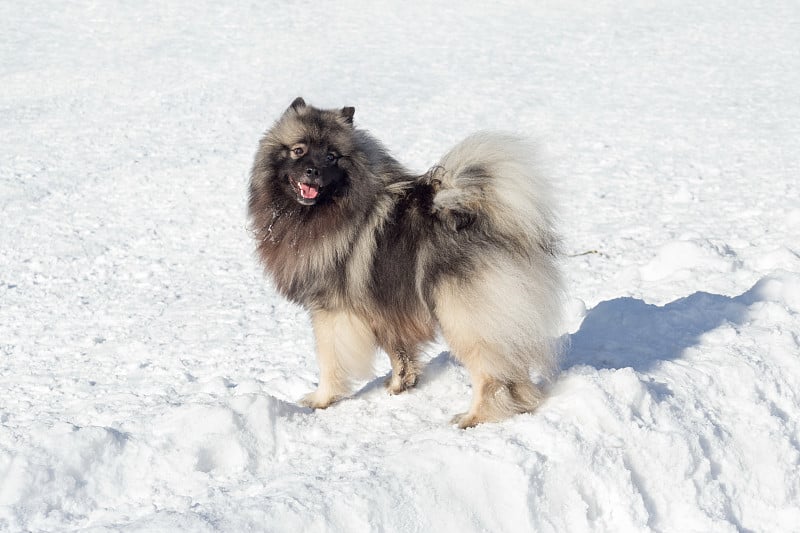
383 258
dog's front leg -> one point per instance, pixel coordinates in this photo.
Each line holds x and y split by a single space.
405 370
345 351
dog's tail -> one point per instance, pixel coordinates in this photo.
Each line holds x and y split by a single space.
493 178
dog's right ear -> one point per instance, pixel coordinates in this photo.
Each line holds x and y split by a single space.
298 104
347 114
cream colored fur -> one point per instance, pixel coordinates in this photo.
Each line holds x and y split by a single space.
345 351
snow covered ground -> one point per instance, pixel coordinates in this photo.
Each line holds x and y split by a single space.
148 372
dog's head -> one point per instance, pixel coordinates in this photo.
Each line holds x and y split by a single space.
305 154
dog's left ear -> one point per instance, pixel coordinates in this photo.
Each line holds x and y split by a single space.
298 103
347 113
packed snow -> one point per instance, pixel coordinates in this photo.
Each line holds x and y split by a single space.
149 372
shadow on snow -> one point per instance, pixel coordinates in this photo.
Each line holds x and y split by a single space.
627 332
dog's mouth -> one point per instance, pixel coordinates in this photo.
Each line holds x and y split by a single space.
307 193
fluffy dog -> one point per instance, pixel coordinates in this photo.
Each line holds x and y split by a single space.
383 258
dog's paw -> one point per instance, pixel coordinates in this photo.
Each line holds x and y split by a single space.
317 400
465 420
395 384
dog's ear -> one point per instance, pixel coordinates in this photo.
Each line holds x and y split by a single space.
298 104
347 113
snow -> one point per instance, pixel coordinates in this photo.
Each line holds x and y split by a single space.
149 373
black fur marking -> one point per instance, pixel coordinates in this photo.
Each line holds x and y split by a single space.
398 243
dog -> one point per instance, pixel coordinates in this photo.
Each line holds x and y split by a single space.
383 258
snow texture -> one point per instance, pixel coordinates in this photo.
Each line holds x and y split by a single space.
149 372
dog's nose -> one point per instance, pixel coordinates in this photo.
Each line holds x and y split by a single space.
312 172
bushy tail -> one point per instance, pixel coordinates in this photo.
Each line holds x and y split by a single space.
494 176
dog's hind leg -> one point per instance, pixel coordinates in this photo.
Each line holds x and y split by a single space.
494 398
405 370
501 322
491 328
345 351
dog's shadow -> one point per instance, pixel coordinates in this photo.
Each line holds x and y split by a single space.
627 332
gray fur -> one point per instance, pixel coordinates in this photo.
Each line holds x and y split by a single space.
384 259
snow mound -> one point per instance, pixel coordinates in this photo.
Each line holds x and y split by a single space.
69 472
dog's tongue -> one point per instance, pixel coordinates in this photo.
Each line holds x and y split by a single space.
308 191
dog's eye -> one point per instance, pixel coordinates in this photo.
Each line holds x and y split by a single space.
298 150
330 158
